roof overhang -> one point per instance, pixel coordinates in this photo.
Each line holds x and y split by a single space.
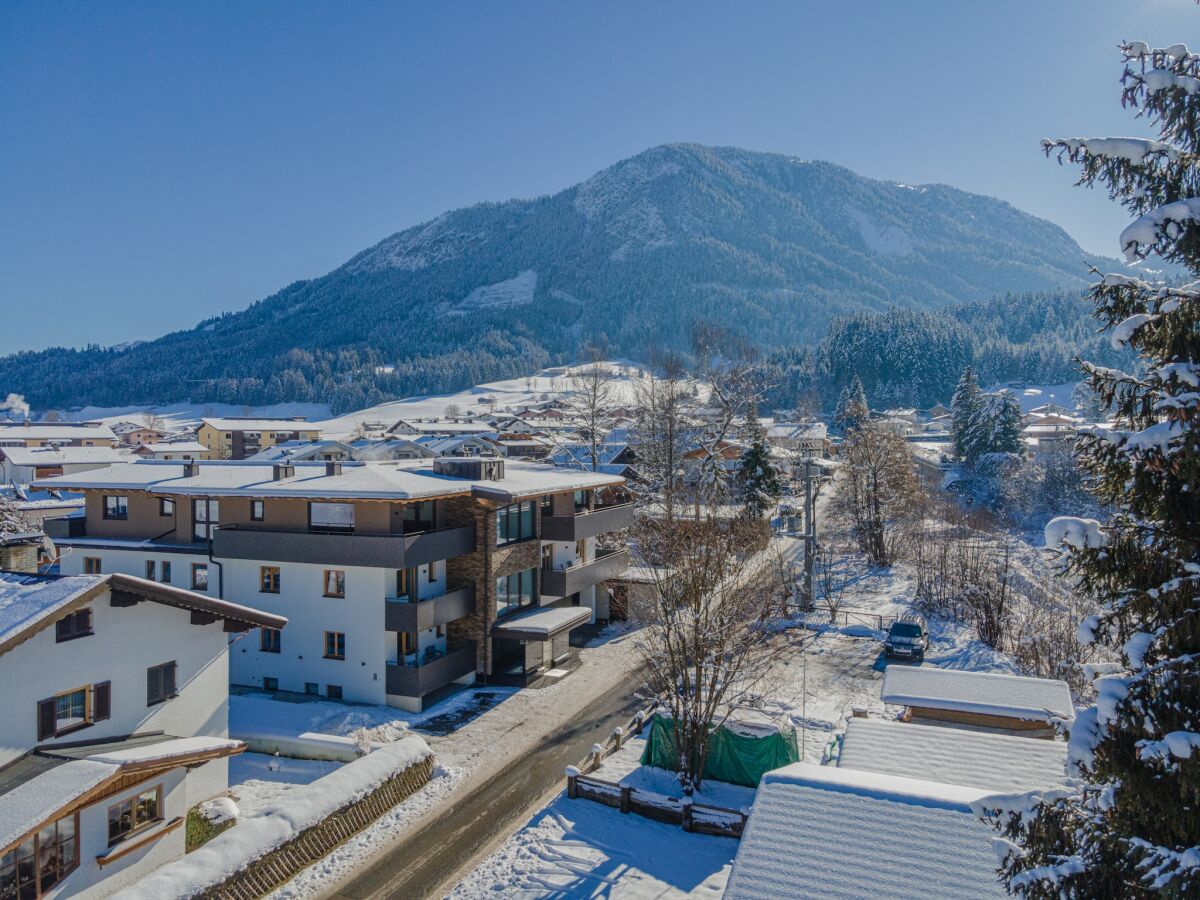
542 624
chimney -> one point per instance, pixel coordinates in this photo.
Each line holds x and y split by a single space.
333 467
280 471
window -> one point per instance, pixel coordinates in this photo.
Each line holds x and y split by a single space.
199 577
333 691
547 504
268 640
134 814
150 570
268 579
418 517
116 507
335 645
331 516
270 684
75 625
581 500
205 516
402 582
514 591
311 687
91 565
433 572
166 506
166 571
41 861
160 683
514 523
257 511
335 583
72 710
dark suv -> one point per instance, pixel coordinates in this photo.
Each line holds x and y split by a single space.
908 638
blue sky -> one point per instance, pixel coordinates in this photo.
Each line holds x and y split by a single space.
162 162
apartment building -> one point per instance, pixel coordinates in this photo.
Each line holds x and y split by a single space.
240 438
399 579
115 725
62 434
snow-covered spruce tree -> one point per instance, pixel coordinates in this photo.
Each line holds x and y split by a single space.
758 482
1001 423
1130 825
964 413
851 411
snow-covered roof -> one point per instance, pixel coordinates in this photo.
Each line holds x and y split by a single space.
439 426
176 447
35 801
404 480
260 425
61 456
993 762
803 431
443 444
41 431
987 693
548 621
822 831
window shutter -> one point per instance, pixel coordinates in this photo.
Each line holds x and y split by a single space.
101 701
46 719
153 685
169 679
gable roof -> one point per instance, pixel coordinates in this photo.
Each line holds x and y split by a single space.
994 762
259 424
50 431
29 603
987 693
822 831
60 456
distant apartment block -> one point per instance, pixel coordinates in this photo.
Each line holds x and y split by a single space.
399 579
62 434
240 438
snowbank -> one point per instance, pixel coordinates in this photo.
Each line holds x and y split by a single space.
251 838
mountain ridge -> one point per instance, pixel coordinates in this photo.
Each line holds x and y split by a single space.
771 246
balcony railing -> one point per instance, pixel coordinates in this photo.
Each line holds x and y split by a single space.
564 582
432 673
420 615
587 524
350 548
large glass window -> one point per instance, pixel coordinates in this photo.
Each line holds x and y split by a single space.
418 517
41 860
514 591
205 516
116 507
515 523
134 814
331 516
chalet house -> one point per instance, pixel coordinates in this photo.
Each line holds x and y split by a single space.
239 438
391 449
457 445
174 450
519 444
1007 704
730 454
116 725
412 427
807 438
64 434
23 465
306 451
399 579
132 434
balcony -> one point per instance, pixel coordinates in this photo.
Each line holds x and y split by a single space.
564 582
419 615
431 674
350 548
586 524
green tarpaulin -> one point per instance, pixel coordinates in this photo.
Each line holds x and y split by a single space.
733 758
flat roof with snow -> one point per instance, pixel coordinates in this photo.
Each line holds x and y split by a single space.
58 431
993 762
543 624
403 480
62 456
985 693
286 425
822 831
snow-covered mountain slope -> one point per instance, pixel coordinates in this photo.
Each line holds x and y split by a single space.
770 246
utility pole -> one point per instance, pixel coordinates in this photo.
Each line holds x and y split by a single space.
810 532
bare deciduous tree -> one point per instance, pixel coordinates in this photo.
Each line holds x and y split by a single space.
588 405
879 491
663 430
831 576
705 637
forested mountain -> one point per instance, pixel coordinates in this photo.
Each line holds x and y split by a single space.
772 247
907 357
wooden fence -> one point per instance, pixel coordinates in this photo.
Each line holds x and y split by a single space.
698 817
281 864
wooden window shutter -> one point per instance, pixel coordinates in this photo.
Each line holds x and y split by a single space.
46 719
153 685
101 701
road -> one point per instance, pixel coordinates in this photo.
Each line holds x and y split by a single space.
430 861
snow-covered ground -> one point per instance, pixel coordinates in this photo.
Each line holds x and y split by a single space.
625 767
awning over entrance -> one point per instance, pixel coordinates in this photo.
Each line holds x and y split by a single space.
542 624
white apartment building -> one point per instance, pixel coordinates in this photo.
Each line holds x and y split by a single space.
399 579
116 724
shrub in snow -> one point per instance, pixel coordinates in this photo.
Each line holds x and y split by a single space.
1130 824
219 810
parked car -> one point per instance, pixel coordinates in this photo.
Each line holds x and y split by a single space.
908 638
